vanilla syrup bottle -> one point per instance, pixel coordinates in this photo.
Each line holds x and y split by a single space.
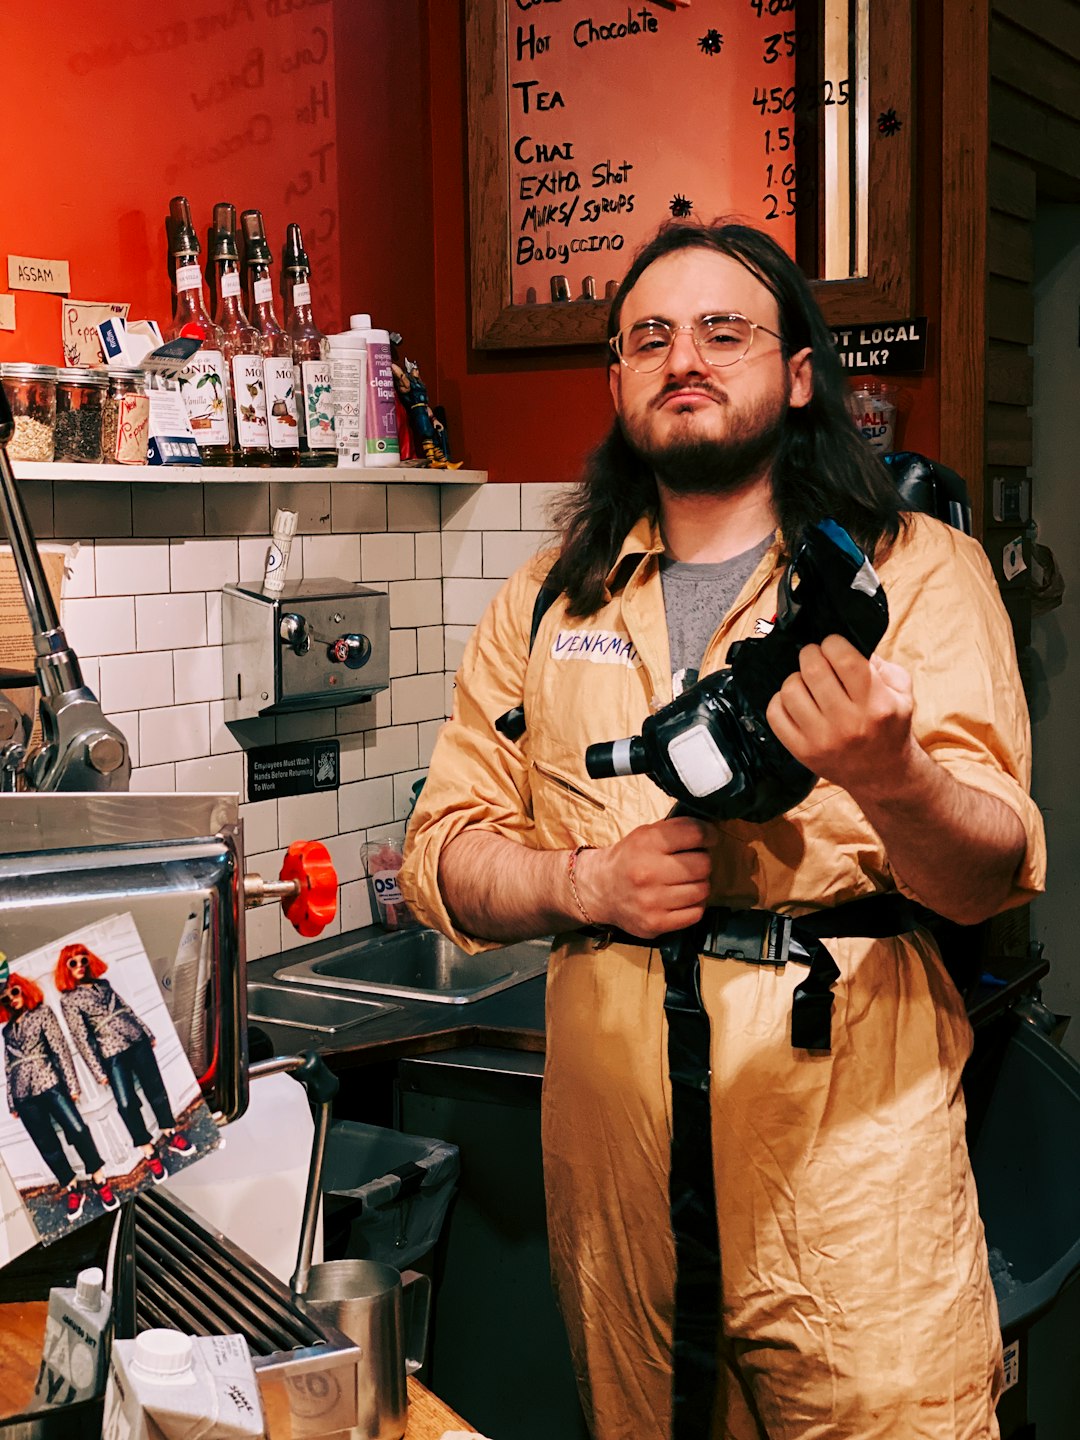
311 357
243 347
204 381
282 423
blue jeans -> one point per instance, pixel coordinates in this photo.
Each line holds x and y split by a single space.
42 1115
137 1064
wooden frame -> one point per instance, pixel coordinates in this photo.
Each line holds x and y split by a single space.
885 293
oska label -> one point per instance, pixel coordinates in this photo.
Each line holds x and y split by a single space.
202 384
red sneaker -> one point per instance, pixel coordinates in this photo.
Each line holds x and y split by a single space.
107 1198
180 1144
74 1201
157 1170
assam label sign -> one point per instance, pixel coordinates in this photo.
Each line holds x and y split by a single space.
299 768
883 347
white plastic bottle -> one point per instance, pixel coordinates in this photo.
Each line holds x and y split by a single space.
381 429
349 394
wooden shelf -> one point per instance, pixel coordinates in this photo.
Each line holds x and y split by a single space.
242 475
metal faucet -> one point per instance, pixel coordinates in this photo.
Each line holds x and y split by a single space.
80 749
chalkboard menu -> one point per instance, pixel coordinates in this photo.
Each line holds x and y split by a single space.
591 122
622 116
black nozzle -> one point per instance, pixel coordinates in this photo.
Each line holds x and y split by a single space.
182 238
256 249
294 256
616 757
224 235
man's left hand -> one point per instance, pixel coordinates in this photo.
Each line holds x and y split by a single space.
846 718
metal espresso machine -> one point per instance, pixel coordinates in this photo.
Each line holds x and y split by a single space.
75 848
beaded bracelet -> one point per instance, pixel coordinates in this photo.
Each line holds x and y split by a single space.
571 866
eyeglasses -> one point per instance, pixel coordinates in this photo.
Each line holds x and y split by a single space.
12 993
77 960
720 340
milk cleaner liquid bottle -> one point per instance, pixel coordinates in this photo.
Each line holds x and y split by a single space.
381 437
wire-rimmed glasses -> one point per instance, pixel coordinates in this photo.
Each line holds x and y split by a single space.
720 340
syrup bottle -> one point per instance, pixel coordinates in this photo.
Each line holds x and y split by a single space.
311 357
277 352
243 347
204 381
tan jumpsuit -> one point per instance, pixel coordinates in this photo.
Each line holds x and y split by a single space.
856 1296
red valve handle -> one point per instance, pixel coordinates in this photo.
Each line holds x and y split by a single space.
308 863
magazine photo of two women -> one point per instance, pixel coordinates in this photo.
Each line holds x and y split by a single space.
101 1100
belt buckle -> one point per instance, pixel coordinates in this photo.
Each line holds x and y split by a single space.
757 937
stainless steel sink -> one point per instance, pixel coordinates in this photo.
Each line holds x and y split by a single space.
311 1009
419 964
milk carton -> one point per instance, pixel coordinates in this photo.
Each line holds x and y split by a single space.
164 1385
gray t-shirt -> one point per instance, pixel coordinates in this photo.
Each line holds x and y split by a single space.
696 599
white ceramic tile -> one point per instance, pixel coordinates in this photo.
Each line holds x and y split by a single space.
253 559
354 904
535 500
310 499
387 751
180 733
388 557
237 509
167 510
127 722
305 725
429 556
203 564
462 554
260 825
130 567
457 637
136 682
345 853
307 817
240 734
262 927
329 557
506 550
78 581
90 511
154 779
358 508
415 602
403 793
91 669
481 507
427 734
211 773
163 621
352 759
464 601
213 617
368 802
197 674
430 645
402 652
416 697
100 627
412 507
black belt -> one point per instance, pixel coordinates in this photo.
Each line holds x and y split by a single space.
757 937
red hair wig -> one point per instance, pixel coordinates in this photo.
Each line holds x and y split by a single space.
65 980
31 993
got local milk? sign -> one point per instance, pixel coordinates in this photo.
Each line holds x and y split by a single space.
889 347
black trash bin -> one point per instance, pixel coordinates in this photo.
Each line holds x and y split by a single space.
1023 1097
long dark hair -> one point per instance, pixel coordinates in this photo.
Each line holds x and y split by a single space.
823 466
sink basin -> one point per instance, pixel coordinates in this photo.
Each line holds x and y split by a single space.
419 964
310 1009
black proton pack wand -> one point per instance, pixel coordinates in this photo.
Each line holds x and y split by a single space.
712 748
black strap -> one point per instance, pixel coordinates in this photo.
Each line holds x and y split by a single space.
756 937
512 723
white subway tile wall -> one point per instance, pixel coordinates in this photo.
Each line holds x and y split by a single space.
142 608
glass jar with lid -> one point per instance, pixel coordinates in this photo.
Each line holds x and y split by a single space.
80 404
31 392
125 420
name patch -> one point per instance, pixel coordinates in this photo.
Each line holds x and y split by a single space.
601 647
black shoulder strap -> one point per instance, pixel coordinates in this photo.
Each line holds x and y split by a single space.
512 724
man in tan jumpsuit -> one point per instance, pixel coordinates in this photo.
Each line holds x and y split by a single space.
856 1300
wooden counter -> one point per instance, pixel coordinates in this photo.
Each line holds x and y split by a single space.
429 1418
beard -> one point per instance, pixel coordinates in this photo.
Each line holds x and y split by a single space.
689 463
